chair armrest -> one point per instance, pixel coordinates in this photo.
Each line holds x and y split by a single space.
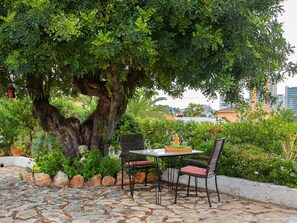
195 162
203 157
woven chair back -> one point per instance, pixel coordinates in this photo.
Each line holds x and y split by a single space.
132 142
215 155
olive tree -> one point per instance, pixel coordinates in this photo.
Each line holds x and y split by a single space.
109 49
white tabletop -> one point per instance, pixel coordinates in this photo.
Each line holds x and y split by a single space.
163 153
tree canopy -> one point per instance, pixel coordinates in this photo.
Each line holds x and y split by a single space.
109 49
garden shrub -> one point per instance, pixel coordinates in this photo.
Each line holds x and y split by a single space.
159 133
242 162
109 166
268 134
72 167
16 120
79 107
88 166
49 164
252 151
127 125
45 143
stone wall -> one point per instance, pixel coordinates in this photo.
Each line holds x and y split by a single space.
264 192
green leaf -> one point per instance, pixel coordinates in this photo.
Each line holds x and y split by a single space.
34 3
9 18
293 175
295 167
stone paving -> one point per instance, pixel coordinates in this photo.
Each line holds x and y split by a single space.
21 202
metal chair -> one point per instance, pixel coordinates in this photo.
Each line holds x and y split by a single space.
208 169
133 162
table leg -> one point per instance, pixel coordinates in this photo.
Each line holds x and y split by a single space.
158 187
170 173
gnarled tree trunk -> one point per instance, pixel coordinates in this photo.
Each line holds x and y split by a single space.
97 130
67 130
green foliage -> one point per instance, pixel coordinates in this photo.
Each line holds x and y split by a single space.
268 134
250 151
194 110
128 124
287 115
109 49
159 133
45 143
90 164
71 166
49 164
239 161
144 105
79 107
29 170
183 39
16 120
294 173
21 177
241 157
109 166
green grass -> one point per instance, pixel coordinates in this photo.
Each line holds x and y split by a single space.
181 147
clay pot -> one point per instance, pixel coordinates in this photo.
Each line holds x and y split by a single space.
16 151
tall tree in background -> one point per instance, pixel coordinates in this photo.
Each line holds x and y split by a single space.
109 49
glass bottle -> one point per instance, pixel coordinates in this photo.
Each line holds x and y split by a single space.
176 140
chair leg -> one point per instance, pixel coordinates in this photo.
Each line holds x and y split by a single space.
176 188
207 192
196 185
218 193
146 173
122 175
189 180
132 182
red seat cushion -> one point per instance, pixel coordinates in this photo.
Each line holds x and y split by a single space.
140 163
194 170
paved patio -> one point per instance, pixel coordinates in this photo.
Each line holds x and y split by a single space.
21 202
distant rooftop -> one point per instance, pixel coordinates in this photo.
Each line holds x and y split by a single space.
226 110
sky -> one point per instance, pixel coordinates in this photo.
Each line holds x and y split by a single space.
289 19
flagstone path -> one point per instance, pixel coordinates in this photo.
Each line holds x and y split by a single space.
21 202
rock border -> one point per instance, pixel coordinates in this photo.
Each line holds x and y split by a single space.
62 180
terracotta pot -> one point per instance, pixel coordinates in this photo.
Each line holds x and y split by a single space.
16 151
